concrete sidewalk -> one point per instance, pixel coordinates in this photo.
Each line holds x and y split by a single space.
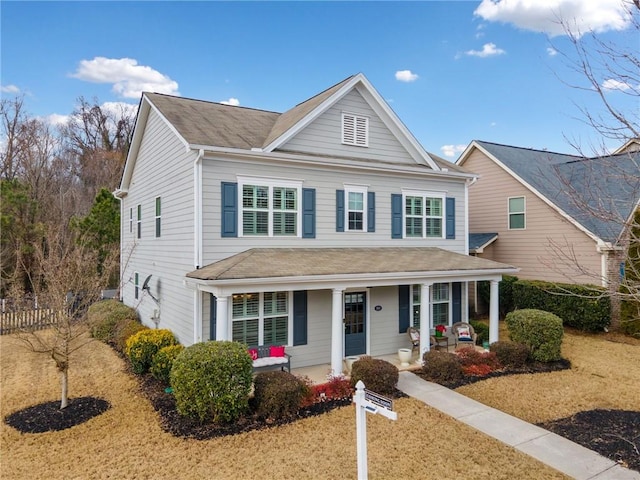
556 451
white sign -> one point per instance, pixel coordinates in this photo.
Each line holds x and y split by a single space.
367 401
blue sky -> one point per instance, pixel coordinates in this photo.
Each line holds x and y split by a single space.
452 71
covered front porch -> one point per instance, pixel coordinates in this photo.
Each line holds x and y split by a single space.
331 297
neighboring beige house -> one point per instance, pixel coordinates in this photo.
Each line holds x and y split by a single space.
326 228
557 217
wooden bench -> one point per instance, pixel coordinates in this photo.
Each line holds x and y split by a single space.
264 361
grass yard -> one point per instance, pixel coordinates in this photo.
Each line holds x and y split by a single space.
127 441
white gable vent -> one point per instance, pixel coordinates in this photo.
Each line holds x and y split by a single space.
355 130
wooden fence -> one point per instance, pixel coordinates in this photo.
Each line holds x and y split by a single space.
32 319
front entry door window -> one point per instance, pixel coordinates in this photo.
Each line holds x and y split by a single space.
355 321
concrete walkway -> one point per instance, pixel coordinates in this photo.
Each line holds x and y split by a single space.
556 451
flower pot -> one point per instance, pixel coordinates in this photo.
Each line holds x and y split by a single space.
349 362
438 333
404 354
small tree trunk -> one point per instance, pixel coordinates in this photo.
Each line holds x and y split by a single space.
64 383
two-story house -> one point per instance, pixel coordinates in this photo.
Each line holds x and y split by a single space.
558 217
327 228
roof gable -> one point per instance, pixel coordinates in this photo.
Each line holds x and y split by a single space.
597 194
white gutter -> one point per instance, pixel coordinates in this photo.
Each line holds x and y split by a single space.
197 210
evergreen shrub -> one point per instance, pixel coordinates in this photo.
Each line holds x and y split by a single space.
211 381
124 330
510 354
481 329
163 361
442 366
377 375
142 346
278 394
540 331
506 301
105 316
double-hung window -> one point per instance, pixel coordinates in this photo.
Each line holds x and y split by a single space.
270 207
136 285
130 219
356 211
139 221
516 213
158 217
424 215
261 318
440 304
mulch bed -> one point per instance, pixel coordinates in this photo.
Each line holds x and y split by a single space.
48 417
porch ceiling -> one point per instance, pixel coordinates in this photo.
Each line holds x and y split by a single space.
310 262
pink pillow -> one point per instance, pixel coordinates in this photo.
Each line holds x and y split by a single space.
276 351
254 353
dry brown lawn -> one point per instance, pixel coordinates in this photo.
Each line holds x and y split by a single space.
127 442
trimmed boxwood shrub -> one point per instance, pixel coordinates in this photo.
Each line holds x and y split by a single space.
105 316
124 330
585 307
510 354
278 394
442 366
377 375
540 331
211 381
142 346
163 361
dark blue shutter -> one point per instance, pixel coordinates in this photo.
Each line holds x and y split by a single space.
456 299
213 314
404 308
229 227
451 217
308 213
300 317
371 211
396 215
339 210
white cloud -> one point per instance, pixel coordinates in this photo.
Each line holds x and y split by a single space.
232 101
452 150
406 76
56 119
552 52
612 84
488 50
128 78
9 89
579 16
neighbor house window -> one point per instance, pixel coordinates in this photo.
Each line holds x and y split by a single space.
158 217
516 213
356 210
131 220
355 130
139 221
440 305
136 285
270 207
424 215
261 318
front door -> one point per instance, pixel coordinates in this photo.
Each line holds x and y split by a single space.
355 322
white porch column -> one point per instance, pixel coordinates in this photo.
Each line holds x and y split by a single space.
222 318
494 314
425 319
337 331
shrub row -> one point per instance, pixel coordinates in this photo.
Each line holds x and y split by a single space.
585 307
111 321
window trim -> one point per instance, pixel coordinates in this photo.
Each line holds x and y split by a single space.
130 219
425 194
523 212
158 218
261 316
270 183
364 130
364 190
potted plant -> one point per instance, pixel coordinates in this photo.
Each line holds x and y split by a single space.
440 330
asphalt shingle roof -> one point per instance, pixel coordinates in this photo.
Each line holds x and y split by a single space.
300 262
598 192
478 240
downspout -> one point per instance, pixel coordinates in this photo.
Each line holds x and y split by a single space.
118 194
197 243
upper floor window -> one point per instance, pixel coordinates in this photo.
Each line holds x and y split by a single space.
139 221
158 217
356 210
516 213
270 207
261 318
355 130
424 215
